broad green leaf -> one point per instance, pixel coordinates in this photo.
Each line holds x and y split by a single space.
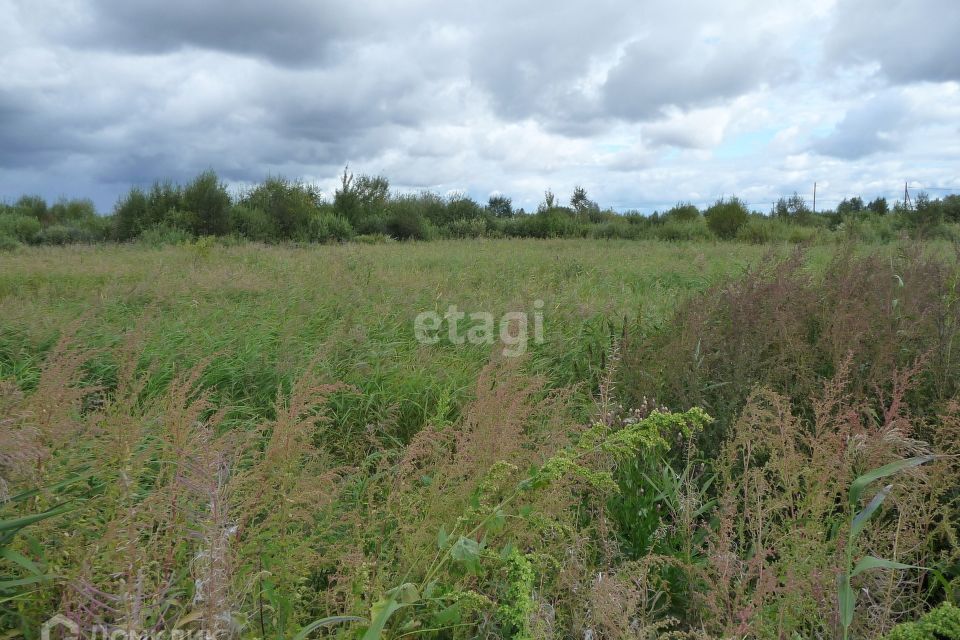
449 615
858 485
497 521
8 584
22 560
466 551
848 600
407 593
870 562
442 537
325 622
861 519
380 614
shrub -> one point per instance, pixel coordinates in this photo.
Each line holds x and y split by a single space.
942 623
130 214
372 238
465 228
683 211
163 234
34 207
405 223
289 205
8 243
73 210
500 206
253 223
20 227
554 222
726 217
617 229
329 227
676 230
780 328
61 234
207 198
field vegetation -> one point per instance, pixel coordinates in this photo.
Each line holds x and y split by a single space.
364 208
715 439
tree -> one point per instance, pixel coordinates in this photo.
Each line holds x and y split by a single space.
206 198
793 208
726 217
683 212
500 206
289 205
549 201
849 207
879 206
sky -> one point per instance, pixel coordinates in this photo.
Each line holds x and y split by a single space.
645 103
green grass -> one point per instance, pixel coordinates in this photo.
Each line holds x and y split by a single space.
440 488
263 312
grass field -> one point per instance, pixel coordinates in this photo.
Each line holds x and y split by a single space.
250 439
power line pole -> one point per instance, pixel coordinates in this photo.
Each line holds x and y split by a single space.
906 196
814 197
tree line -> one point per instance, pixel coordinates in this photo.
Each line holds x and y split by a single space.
364 208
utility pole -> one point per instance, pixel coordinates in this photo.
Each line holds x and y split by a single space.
814 197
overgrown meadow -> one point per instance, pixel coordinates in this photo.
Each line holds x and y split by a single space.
713 440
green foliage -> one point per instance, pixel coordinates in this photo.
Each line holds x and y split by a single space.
500 206
20 227
517 604
726 217
207 198
940 623
253 224
794 209
289 205
847 597
163 234
329 227
683 211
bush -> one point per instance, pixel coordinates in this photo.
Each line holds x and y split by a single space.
289 205
20 227
465 228
942 623
8 243
73 211
253 223
779 328
329 227
372 238
34 207
163 234
677 230
726 217
61 234
617 229
405 223
207 198
553 222
683 212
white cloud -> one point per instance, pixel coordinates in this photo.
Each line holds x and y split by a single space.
642 103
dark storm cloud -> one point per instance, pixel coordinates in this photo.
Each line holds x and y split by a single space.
294 32
473 95
911 40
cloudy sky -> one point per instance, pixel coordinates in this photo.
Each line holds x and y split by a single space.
642 102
